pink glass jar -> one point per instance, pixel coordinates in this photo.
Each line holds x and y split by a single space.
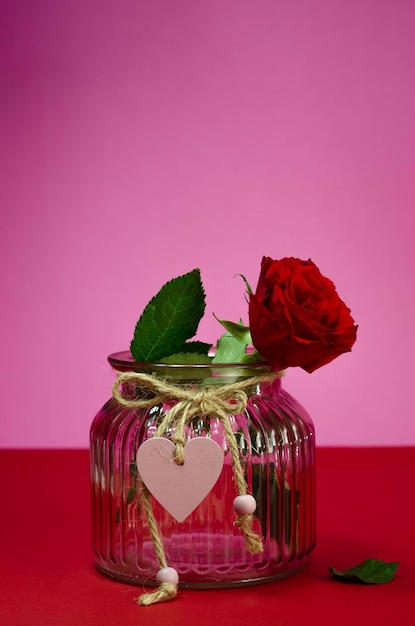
275 436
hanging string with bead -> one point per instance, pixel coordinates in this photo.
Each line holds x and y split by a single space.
219 402
167 577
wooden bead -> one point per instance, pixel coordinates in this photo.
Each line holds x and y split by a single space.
244 505
167 575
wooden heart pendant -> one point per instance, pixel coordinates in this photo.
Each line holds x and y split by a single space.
179 488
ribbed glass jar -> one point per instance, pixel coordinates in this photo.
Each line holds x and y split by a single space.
275 436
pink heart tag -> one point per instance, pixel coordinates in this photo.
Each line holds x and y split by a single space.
179 488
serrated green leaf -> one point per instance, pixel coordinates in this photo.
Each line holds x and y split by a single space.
169 319
196 347
371 571
238 330
229 349
186 358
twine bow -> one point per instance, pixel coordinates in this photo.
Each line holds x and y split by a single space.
218 402
209 402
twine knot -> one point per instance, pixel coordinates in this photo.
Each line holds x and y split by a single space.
210 401
165 592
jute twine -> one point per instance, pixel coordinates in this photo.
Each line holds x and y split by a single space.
219 402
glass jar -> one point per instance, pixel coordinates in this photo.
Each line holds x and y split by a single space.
275 438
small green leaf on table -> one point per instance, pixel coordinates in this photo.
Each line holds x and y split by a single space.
372 571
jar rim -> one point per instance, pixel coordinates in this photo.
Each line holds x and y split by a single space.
123 361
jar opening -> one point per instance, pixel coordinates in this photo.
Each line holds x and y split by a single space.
220 372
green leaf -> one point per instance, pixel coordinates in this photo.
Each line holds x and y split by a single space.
237 330
169 319
133 469
229 349
196 347
186 358
130 495
254 357
371 571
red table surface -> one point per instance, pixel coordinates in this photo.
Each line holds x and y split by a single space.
365 509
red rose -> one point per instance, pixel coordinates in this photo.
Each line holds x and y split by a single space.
296 317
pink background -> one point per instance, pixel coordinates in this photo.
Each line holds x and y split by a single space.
143 139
